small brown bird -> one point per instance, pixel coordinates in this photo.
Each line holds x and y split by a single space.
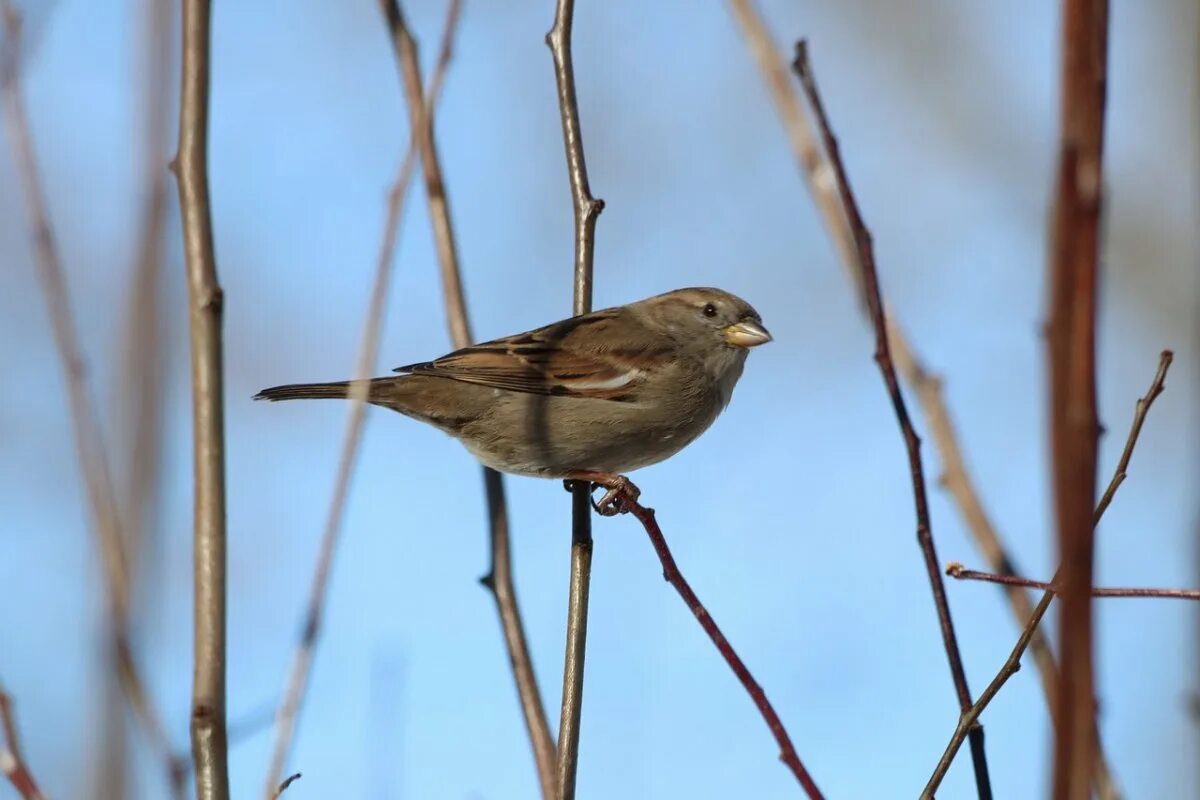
587 398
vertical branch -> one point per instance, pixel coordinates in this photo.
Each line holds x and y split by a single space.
587 210
912 443
1071 346
89 447
209 745
142 389
499 578
296 688
12 760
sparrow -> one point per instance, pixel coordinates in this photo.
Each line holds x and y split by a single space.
588 398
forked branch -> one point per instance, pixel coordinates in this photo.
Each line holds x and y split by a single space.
1013 663
499 579
296 688
912 443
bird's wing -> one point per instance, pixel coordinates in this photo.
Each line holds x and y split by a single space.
586 356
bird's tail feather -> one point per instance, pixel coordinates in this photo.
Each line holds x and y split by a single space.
317 391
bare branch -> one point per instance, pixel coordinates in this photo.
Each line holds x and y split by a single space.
209 745
12 761
671 574
499 578
956 479
587 210
89 446
1013 663
1071 346
300 669
912 443
959 572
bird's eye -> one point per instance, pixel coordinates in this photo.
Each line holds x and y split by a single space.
710 310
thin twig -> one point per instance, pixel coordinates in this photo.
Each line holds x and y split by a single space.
671 574
93 463
12 760
205 300
956 479
587 210
912 442
301 666
1013 663
499 579
1071 347
959 572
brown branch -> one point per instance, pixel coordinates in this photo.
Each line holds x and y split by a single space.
587 210
499 579
671 574
89 447
301 666
927 388
959 572
12 760
205 300
1071 347
1013 663
912 442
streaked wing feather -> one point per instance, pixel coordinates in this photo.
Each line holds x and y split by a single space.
551 361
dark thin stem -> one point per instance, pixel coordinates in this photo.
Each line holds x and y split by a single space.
959 572
12 760
587 209
499 578
912 442
205 300
671 574
1071 349
1013 663
298 674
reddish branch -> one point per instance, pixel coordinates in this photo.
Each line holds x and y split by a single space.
1071 342
959 572
671 573
912 443
12 761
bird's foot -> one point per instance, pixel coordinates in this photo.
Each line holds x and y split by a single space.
619 489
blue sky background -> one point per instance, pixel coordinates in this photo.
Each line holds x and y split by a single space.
792 517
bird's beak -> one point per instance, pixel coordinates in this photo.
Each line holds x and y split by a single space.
746 333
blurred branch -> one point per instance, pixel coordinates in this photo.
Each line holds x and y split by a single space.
1071 347
142 389
89 446
671 574
301 666
959 572
883 357
12 761
209 744
968 719
499 578
587 210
